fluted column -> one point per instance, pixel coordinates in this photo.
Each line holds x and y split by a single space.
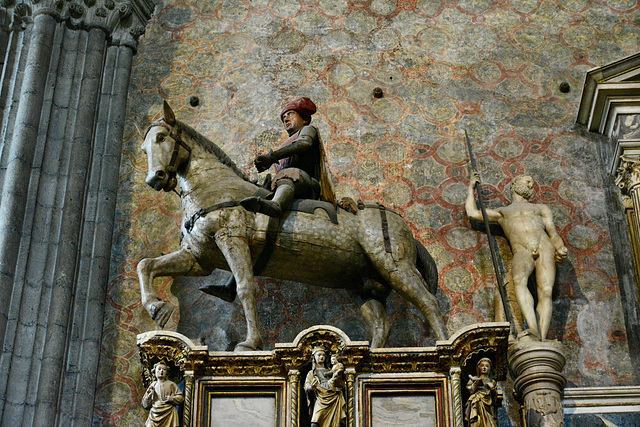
63 92
20 156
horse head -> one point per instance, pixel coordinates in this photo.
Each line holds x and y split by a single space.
165 150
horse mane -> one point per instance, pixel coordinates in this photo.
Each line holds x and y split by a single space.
207 144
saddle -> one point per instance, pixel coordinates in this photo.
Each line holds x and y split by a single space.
309 206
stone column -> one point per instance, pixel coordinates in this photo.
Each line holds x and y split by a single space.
293 397
63 96
456 387
628 180
538 383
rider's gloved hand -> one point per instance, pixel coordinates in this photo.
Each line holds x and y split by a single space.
264 161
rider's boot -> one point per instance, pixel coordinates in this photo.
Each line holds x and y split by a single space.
281 200
225 291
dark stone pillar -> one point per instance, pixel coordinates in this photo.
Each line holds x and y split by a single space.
66 70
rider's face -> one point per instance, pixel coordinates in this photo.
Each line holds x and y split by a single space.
292 121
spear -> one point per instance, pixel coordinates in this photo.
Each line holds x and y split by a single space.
493 247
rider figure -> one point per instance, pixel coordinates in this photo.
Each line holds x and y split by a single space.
301 170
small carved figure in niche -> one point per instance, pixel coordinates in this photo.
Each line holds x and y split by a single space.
535 244
485 397
337 370
327 406
161 399
301 169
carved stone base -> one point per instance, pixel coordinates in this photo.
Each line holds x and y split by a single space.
538 381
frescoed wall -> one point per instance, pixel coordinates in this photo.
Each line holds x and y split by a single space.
492 68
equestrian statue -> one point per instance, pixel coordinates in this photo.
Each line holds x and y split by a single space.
233 224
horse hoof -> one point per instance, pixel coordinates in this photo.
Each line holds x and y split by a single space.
160 312
246 346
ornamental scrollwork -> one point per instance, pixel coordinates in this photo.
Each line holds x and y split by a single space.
628 174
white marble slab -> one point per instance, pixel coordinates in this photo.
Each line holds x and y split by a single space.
243 411
403 410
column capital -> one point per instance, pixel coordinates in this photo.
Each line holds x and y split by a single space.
123 21
627 176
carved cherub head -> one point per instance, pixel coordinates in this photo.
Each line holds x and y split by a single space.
335 358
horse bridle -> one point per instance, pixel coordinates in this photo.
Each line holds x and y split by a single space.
172 167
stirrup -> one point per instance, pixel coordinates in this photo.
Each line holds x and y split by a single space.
263 206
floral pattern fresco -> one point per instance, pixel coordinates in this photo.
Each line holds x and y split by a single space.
492 68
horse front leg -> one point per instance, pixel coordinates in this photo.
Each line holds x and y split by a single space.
179 263
238 256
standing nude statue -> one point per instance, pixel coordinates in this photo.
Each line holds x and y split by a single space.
535 244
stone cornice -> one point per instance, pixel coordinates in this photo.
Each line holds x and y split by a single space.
598 400
609 91
123 21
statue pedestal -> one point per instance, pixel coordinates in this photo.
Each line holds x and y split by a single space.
538 381
391 386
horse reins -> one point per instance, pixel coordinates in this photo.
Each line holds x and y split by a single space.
172 168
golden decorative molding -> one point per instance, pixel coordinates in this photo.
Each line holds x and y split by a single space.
445 363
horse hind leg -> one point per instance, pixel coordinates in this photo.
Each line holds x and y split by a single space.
238 256
372 301
179 263
405 279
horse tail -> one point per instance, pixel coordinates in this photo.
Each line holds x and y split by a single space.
427 267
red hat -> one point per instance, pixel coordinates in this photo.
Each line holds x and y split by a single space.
303 106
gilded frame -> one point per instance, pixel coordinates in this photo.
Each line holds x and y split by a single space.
209 388
373 385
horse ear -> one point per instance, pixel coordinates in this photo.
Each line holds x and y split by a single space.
139 131
169 117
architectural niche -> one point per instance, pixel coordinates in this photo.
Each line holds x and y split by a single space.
610 105
63 90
